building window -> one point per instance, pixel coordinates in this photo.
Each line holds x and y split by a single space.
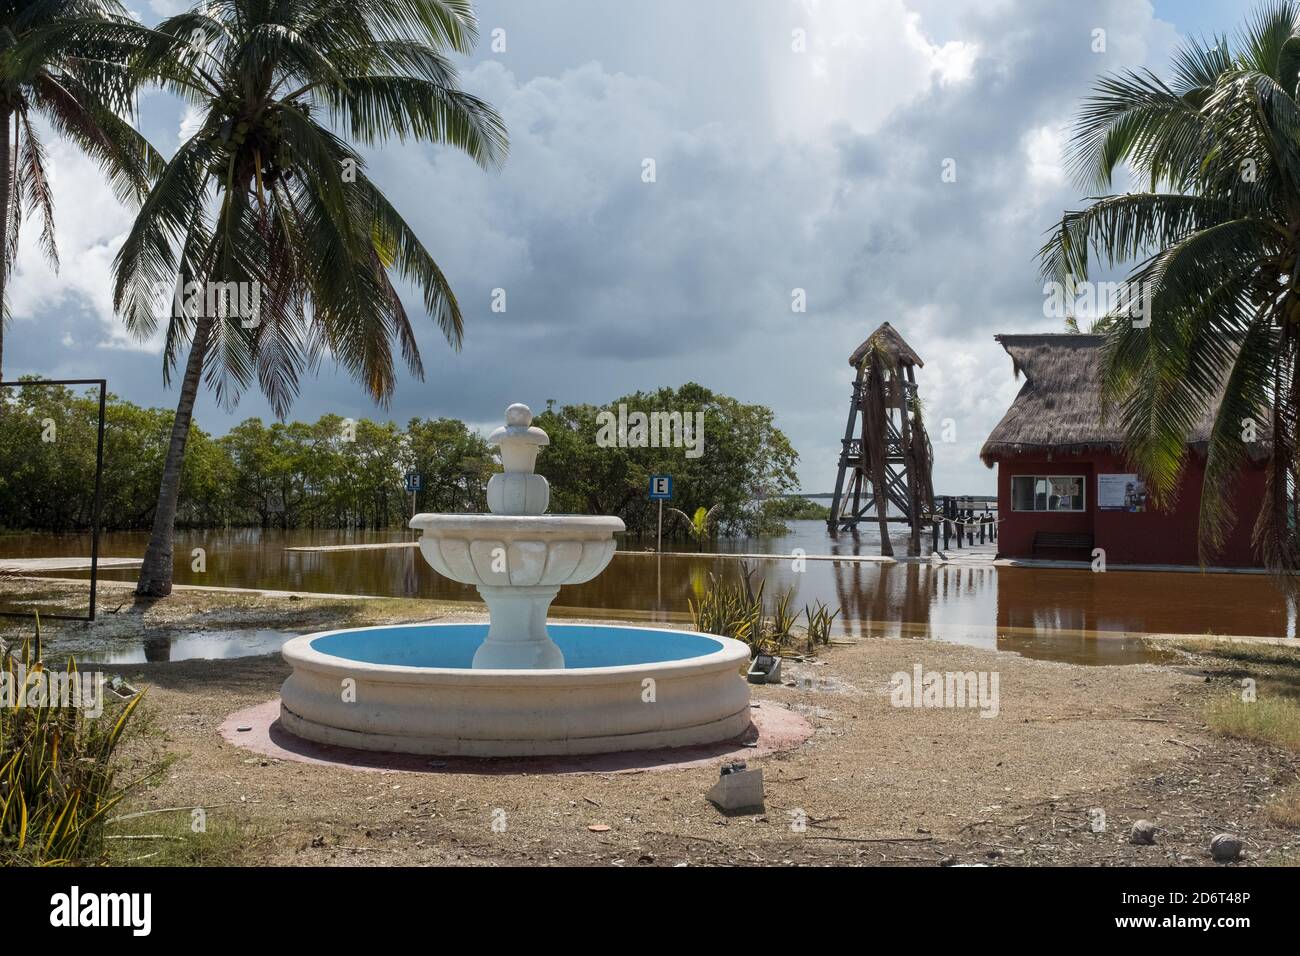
1047 493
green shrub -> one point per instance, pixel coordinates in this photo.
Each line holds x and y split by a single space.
738 610
57 779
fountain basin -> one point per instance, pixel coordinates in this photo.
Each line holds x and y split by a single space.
517 550
413 689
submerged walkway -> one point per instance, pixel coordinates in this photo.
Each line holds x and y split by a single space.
376 546
972 555
108 583
755 556
37 565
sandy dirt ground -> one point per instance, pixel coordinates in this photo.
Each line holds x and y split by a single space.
875 784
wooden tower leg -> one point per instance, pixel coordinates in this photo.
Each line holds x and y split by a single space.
875 448
909 463
837 499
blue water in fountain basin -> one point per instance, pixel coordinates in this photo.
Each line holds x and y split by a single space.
453 645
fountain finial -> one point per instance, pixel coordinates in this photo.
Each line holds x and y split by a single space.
518 491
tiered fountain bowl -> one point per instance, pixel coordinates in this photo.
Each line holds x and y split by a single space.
516 686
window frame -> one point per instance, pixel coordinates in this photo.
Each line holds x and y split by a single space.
1083 495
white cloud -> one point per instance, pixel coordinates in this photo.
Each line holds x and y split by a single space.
776 170
952 61
191 120
1044 148
90 226
863 61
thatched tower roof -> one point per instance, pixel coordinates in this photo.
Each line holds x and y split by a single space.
1058 411
887 338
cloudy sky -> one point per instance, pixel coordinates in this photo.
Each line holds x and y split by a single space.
778 166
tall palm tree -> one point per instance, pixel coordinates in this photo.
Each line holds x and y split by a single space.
61 60
1213 239
269 192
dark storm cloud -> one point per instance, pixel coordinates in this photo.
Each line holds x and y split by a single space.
775 171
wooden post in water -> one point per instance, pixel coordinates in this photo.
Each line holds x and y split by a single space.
875 420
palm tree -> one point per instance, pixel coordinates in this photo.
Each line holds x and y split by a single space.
267 193
1215 235
61 60
699 526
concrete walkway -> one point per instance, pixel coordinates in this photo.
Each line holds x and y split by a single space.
219 589
37 565
377 546
973 555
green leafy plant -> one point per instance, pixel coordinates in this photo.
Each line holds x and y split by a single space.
737 609
730 610
700 525
783 619
57 779
819 621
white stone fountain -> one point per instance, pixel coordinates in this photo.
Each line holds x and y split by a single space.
506 688
518 557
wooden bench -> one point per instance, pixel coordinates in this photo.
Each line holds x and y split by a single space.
1050 541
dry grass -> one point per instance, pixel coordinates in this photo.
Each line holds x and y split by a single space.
1284 808
1273 672
1272 657
1268 720
174 839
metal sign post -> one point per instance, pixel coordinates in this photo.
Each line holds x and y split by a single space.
661 490
414 482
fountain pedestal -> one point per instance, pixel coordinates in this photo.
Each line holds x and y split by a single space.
517 637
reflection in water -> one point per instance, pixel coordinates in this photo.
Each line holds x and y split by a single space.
1059 614
204 645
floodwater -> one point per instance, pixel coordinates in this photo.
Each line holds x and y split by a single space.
1054 614
200 645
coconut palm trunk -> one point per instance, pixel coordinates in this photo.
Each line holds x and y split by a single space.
6 184
156 571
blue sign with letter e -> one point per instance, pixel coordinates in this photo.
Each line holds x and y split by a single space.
414 481
661 487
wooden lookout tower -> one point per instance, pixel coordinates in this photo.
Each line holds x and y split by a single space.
887 460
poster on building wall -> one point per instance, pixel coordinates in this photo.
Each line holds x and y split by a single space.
1121 493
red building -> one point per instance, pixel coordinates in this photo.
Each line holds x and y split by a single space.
1064 486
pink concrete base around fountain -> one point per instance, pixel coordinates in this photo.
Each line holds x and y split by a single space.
773 729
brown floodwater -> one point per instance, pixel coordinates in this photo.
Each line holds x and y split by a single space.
1053 614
